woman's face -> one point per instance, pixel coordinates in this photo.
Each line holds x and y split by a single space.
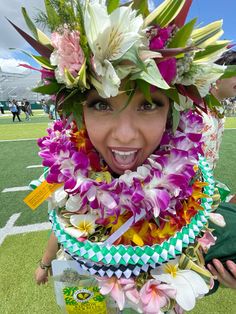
125 137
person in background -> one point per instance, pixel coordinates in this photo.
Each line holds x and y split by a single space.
14 110
1 108
212 136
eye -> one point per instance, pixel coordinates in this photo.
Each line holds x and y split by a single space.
100 105
147 106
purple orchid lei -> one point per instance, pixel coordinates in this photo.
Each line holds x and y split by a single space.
158 186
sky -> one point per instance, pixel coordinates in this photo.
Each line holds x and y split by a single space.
206 11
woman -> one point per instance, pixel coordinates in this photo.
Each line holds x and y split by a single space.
132 194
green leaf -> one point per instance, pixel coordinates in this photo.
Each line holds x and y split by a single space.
141 6
181 37
43 39
152 76
49 89
133 56
70 80
112 5
175 119
144 87
164 13
29 23
53 18
230 71
81 78
211 51
173 94
212 101
207 35
45 63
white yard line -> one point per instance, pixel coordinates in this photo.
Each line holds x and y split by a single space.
16 189
10 229
19 140
35 166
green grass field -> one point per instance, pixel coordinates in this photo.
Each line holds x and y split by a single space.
19 253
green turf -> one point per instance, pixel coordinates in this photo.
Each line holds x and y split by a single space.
226 166
230 122
20 295
14 158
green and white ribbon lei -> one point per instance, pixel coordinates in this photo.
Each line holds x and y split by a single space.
136 255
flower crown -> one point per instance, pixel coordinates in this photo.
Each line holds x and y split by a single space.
97 44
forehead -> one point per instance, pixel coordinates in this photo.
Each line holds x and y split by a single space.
138 96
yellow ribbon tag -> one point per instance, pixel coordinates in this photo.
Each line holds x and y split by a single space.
40 194
84 300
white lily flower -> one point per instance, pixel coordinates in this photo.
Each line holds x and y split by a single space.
188 284
110 37
203 76
83 225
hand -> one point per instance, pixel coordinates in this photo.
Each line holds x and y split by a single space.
226 276
41 275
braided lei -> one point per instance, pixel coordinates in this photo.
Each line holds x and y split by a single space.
158 199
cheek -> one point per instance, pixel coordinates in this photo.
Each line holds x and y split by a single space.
154 132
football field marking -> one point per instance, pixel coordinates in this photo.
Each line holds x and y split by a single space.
16 189
10 229
34 166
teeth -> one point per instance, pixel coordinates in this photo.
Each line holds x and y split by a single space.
124 153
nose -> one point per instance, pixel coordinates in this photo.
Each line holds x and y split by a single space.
125 129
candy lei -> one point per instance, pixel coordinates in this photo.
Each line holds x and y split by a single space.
162 187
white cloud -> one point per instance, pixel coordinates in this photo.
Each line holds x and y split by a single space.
12 10
11 65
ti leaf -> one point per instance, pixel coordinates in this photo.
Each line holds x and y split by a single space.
49 89
175 119
181 37
29 23
230 71
164 13
112 5
207 35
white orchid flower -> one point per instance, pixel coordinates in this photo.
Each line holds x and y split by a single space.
110 37
58 198
188 284
83 225
74 203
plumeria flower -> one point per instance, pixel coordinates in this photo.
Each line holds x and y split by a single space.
118 288
207 241
109 40
155 295
188 284
83 225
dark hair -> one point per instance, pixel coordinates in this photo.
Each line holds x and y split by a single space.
227 58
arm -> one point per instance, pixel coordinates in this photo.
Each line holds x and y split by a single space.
41 273
225 275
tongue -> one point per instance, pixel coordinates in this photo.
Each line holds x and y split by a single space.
124 160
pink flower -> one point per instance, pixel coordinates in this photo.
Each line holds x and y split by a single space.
207 241
167 67
68 53
154 295
117 288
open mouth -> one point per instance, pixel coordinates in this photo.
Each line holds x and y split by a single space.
124 159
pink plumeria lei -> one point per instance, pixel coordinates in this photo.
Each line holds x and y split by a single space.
159 185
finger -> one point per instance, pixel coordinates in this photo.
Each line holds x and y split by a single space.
232 268
212 270
223 275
